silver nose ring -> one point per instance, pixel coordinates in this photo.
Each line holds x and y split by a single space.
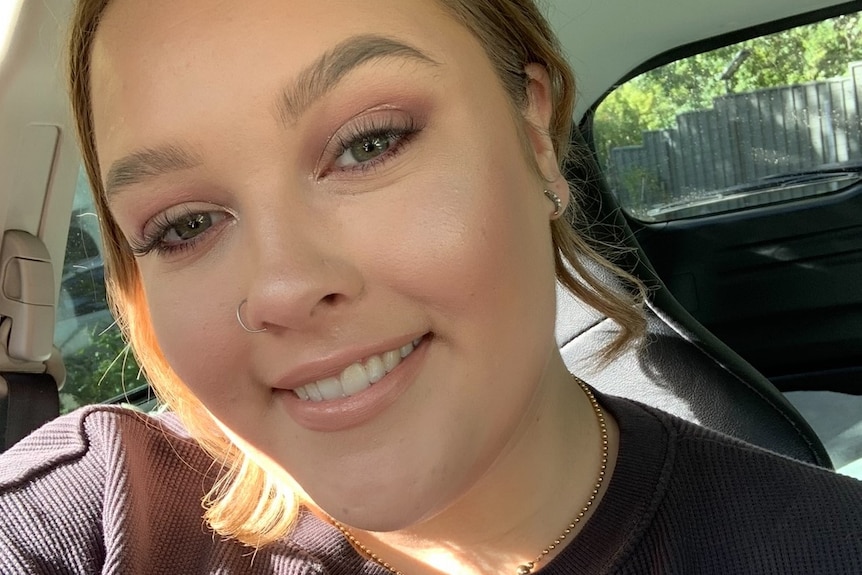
242 323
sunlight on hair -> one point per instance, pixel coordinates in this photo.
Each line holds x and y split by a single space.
270 511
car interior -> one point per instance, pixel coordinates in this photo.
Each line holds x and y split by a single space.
735 191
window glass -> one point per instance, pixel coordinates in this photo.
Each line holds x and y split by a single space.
98 368
769 120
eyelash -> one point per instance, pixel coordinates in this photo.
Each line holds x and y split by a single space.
400 131
153 241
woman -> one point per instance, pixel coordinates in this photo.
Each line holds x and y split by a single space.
333 231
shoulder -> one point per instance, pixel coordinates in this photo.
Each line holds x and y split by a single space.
704 455
96 434
724 506
110 489
100 485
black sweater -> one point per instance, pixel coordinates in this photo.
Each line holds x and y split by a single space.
108 490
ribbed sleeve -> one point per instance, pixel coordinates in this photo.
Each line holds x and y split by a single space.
110 490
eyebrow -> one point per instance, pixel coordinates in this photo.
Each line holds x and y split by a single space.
327 71
313 82
146 164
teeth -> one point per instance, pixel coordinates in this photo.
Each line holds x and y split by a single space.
356 377
330 387
374 368
313 392
391 359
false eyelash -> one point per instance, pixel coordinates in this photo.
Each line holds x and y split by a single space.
400 131
153 240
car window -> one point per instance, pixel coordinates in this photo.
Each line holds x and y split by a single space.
98 366
772 119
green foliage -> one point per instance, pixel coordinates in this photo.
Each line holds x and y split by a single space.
652 100
637 185
99 371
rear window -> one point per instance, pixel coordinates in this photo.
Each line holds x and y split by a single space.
772 119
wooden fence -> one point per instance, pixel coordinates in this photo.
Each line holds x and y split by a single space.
741 139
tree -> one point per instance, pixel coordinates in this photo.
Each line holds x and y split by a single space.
652 100
100 371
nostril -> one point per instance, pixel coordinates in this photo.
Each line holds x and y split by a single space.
330 299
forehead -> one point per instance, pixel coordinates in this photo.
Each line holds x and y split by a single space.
196 20
145 37
151 56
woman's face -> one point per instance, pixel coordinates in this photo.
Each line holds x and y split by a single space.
355 171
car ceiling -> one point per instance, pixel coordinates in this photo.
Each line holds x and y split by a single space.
605 39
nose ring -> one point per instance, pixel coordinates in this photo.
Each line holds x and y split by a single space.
242 323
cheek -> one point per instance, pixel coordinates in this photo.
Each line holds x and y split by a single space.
474 252
474 239
193 320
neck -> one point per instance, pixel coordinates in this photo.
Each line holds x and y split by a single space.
526 500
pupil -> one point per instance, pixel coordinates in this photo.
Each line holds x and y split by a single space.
193 226
370 148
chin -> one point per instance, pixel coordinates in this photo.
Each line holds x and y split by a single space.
382 512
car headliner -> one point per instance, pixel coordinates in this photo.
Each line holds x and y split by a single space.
607 39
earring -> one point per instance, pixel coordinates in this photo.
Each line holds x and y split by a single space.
242 323
558 203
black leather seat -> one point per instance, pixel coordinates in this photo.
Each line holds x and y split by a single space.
682 368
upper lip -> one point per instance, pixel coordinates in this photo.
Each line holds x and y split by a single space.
335 363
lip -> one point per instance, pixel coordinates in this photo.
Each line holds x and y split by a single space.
344 413
333 365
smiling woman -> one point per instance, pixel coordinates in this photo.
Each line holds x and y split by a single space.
334 251
370 147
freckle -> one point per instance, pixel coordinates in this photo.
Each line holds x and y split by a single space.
345 511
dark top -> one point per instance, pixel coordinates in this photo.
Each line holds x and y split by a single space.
109 490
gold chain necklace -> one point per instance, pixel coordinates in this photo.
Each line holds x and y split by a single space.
528 567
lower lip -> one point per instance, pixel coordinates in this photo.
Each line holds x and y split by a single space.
340 414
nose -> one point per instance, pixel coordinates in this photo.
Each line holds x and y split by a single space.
299 277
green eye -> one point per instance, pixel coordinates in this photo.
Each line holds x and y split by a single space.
170 232
367 149
369 142
189 227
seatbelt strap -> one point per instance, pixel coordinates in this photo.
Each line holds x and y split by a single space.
31 400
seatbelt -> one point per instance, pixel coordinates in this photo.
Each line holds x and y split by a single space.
31 400
31 370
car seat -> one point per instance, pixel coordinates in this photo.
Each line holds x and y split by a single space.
681 368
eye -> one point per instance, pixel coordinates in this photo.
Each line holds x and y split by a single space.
189 227
367 141
173 231
366 149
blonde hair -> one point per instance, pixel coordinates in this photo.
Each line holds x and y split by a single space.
246 503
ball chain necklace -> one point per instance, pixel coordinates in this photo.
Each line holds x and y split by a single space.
528 567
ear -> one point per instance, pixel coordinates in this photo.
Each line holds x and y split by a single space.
538 114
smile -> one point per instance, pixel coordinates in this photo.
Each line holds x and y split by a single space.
356 377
